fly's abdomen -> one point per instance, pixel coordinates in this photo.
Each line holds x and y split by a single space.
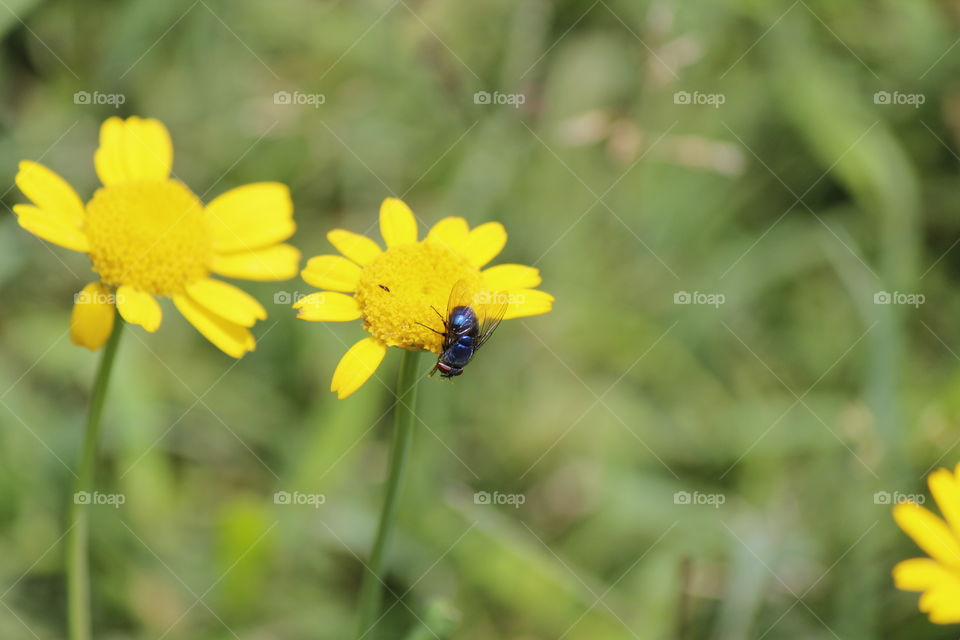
460 352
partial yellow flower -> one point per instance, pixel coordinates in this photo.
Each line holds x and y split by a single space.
396 289
148 236
938 576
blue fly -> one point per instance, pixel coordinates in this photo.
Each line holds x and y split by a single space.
471 319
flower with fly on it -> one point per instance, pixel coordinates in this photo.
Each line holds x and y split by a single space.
938 576
396 291
148 236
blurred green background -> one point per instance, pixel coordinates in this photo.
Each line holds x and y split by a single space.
736 149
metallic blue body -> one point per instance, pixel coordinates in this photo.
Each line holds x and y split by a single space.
459 342
460 352
471 318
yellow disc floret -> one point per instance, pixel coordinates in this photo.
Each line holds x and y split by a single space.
402 293
150 235
403 285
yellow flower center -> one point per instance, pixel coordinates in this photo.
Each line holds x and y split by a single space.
403 285
149 235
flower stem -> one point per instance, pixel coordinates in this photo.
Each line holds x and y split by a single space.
78 568
403 435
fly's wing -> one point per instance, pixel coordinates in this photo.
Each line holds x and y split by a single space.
461 295
488 305
490 308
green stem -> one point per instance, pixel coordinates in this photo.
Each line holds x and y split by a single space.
78 568
403 435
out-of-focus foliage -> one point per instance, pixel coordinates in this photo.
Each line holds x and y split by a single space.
798 399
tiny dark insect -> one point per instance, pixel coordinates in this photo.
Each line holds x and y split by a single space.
471 319
384 287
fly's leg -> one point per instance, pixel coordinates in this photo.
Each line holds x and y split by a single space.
439 333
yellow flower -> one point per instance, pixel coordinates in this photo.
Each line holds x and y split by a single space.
938 576
395 289
149 236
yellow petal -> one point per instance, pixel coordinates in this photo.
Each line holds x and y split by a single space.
528 302
133 149
51 227
356 366
946 615
358 248
397 224
946 492
332 272
504 277
250 217
227 301
484 243
279 262
327 306
929 532
50 192
138 307
450 232
918 574
230 338
942 602
942 606
93 315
